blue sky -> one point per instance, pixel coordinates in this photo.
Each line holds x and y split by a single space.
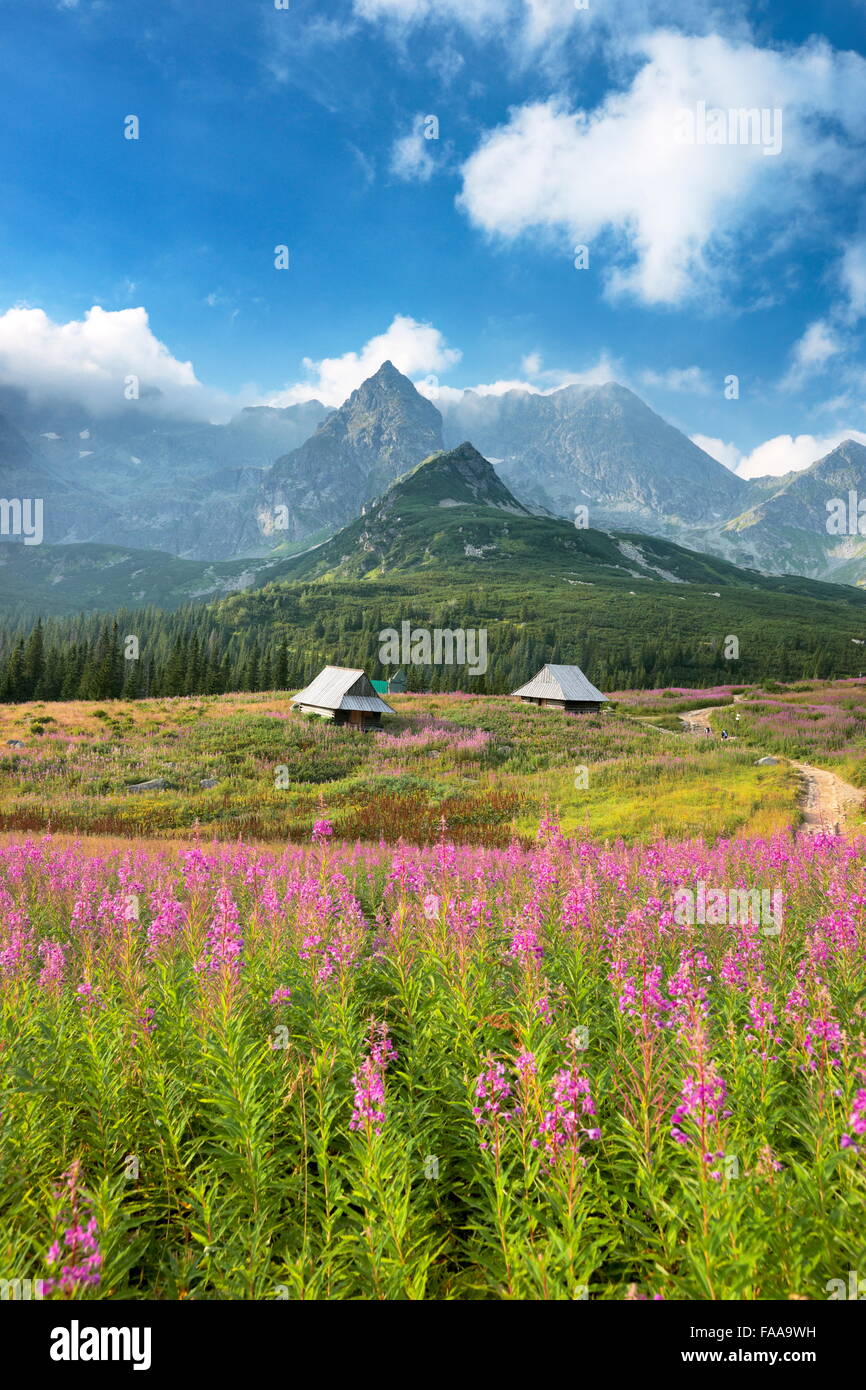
452 255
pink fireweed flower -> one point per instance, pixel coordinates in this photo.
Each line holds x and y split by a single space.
492 1091
525 945
17 947
224 946
763 1023
525 1065
822 1043
196 867
562 1127
542 1009
368 1113
322 832
88 996
79 1246
281 996
642 998
687 988
169 917
51 975
700 1110
340 953
856 1122
746 960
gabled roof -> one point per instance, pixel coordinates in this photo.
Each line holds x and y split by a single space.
560 683
342 687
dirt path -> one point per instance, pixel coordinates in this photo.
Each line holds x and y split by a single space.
828 801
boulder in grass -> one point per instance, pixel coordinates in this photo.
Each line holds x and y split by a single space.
766 762
156 784
14 743
208 782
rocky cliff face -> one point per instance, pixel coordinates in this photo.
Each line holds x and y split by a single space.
599 447
68 511
381 431
165 484
804 523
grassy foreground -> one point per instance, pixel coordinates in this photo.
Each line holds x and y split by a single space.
347 1072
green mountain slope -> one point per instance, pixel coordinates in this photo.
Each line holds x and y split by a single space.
452 514
448 546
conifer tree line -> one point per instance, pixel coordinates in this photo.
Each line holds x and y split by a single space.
279 639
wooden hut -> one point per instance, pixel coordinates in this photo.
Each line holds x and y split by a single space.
343 694
563 687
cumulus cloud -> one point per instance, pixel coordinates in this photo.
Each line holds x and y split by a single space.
784 454
728 454
411 159
811 353
416 349
671 216
89 360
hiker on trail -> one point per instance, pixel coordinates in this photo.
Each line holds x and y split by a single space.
724 733
708 731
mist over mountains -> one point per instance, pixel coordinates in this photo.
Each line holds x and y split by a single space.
275 480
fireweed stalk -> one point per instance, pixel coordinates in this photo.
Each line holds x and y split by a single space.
74 1258
492 1113
383 1185
569 1124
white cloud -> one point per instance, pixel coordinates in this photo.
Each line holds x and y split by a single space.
416 349
691 379
728 454
411 159
531 364
784 454
542 29
669 218
852 273
811 353
88 360
471 14
545 383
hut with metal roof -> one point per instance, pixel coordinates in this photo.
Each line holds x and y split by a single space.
344 694
563 687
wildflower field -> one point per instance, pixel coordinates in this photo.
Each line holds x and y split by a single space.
352 1071
488 765
822 721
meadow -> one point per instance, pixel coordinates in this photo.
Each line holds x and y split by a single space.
373 1072
428 1020
488 766
820 722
